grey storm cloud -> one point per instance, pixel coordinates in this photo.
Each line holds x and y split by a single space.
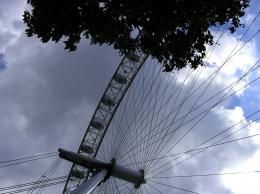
47 98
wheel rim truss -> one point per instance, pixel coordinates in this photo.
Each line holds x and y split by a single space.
108 104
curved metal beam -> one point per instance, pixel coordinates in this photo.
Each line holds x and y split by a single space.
108 104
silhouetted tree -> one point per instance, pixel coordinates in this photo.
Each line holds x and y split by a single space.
173 31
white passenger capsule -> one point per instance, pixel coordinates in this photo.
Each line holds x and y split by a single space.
120 79
133 57
106 100
96 124
77 173
87 149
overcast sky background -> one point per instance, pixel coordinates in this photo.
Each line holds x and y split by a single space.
48 95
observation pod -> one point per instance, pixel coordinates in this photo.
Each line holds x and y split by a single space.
106 100
87 149
133 57
120 79
96 124
77 173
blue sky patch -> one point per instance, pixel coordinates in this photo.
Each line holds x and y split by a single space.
249 100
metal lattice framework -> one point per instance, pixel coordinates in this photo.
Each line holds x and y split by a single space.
114 93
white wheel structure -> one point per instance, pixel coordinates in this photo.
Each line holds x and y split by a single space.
145 121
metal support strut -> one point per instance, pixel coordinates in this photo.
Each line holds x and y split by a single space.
91 184
103 171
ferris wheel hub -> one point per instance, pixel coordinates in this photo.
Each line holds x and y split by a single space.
112 169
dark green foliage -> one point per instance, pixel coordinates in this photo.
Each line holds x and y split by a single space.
173 31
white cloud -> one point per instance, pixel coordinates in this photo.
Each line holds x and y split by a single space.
244 183
222 117
10 21
235 64
230 116
255 129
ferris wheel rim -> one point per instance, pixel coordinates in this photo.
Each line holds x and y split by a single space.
136 60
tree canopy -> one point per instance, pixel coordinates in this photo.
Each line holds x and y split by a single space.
175 32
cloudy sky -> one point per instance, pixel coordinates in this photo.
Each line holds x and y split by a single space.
48 95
